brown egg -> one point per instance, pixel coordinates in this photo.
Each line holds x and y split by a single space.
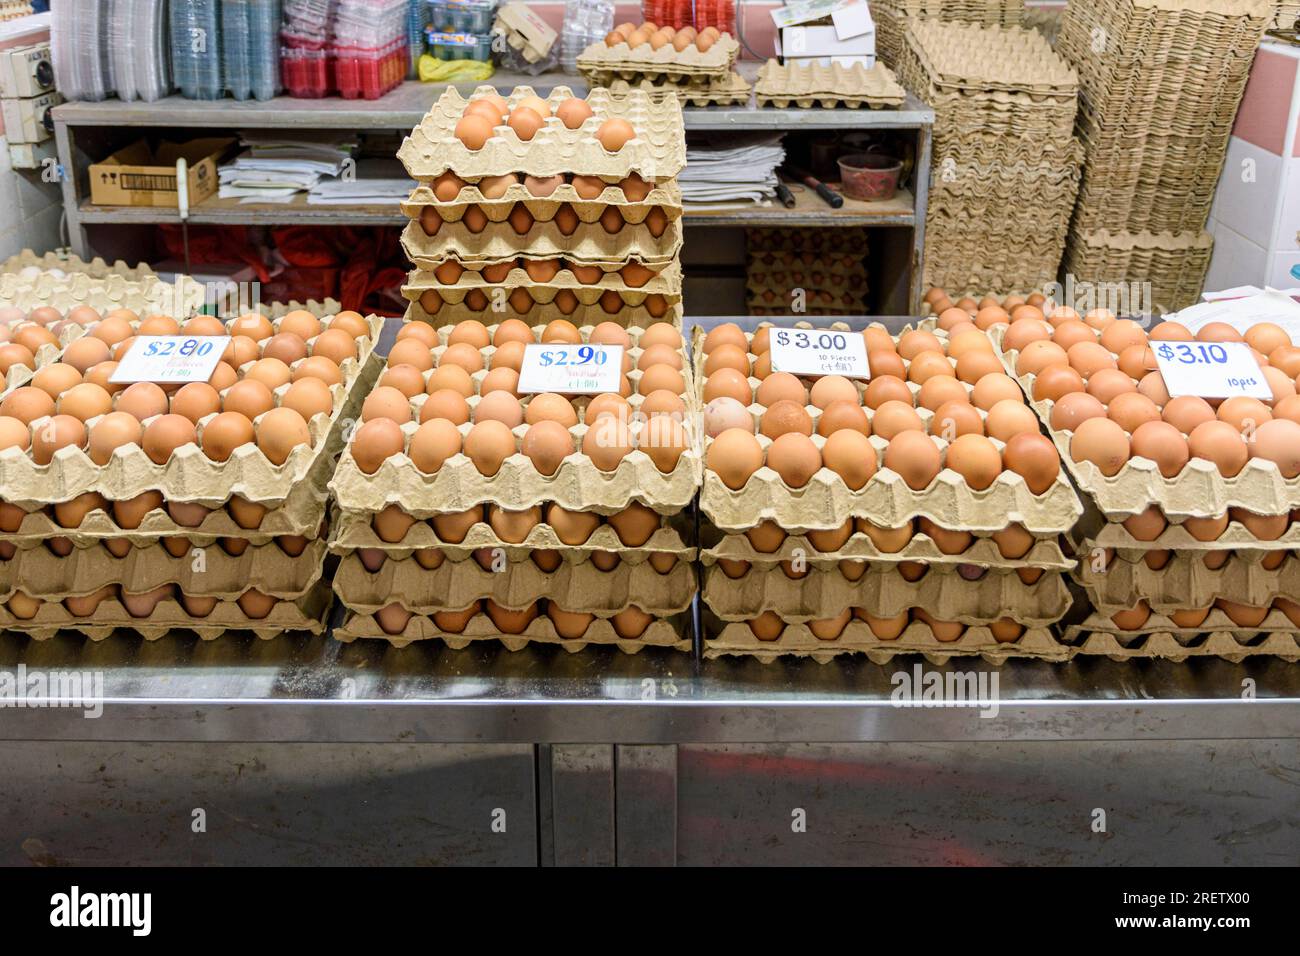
1102 442
1221 444
914 457
114 430
661 377
573 112
315 367
335 344
27 403
724 412
14 434
144 400
956 418
663 402
1088 358
488 445
85 352
833 388
734 456
991 389
525 122
546 445
1218 332
165 435
58 431
433 443
1034 458
635 524
784 417
375 442
1244 414
614 134
1278 441
12 354
221 435
1162 443
1069 333
56 378
279 432
1009 418
194 400
1107 384
299 322
474 130
894 417
976 459
1055 382
1020 334
664 440
550 407
249 398
1262 527
501 407
285 346
1131 411
850 455
1074 409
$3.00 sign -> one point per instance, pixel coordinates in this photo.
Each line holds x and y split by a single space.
571 369
1210 370
819 352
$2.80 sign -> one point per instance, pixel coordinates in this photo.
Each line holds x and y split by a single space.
571 369
819 352
171 358
1210 370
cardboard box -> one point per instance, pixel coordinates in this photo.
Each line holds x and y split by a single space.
26 71
141 176
25 120
822 44
525 31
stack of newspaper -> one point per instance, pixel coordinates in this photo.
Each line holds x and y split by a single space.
275 168
731 168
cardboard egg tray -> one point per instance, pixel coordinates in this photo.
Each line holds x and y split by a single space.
826 502
729 90
885 593
841 242
952 57
853 86
1045 181
779 298
1160 638
588 245
189 475
958 267
1186 582
891 18
599 63
1166 29
658 152
1131 199
457 584
630 315
1174 263
204 571
1198 491
306 613
62 263
1004 239
991 123
666 195
735 638
1114 106
1286 14
1044 555
113 290
353 531
671 632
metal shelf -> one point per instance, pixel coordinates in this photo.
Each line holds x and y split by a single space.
317 690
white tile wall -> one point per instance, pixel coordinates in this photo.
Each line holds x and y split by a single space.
31 210
1237 260
1249 191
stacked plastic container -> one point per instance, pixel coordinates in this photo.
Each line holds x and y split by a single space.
369 48
196 46
250 48
417 19
304 38
585 22
461 29
101 47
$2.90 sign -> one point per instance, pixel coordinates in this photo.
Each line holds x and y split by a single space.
1210 370
571 369
171 358
819 352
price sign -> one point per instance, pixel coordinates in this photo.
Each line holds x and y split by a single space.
819 352
571 369
171 358
1210 370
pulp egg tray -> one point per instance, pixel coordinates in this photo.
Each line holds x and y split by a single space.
189 475
1186 582
657 152
1198 491
429 307
840 242
306 613
671 632
963 56
816 84
665 195
667 283
1160 638
631 63
145 294
202 571
29 266
709 90
587 245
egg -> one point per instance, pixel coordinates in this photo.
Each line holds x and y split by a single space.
1278 441
1102 442
314 367
488 445
525 122
850 455
1221 444
1131 411
976 459
915 457
631 623
833 388
635 524
14 433
664 439
474 130
143 400
1075 409
376 441
433 443
56 378
85 352
956 418
112 431
222 434
27 403
895 417
165 434
1163 444
12 354
614 134
573 112
734 456
546 445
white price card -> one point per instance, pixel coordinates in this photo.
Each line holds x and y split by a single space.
171 358
819 352
571 369
1210 370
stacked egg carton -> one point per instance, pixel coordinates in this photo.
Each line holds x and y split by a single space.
552 225
892 16
1188 549
1157 107
1285 14
200 507
468 512
820 273
680 61
851 531
852 86
27 265
1005 168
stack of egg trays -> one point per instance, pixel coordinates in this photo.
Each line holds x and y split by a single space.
78 574
522 264
825 525
828 270
436 556
1176 573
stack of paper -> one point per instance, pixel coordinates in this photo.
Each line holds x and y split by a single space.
718 170
275 168
375 181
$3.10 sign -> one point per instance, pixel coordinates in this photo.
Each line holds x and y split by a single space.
1210 370
819 352
171 358
571 369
